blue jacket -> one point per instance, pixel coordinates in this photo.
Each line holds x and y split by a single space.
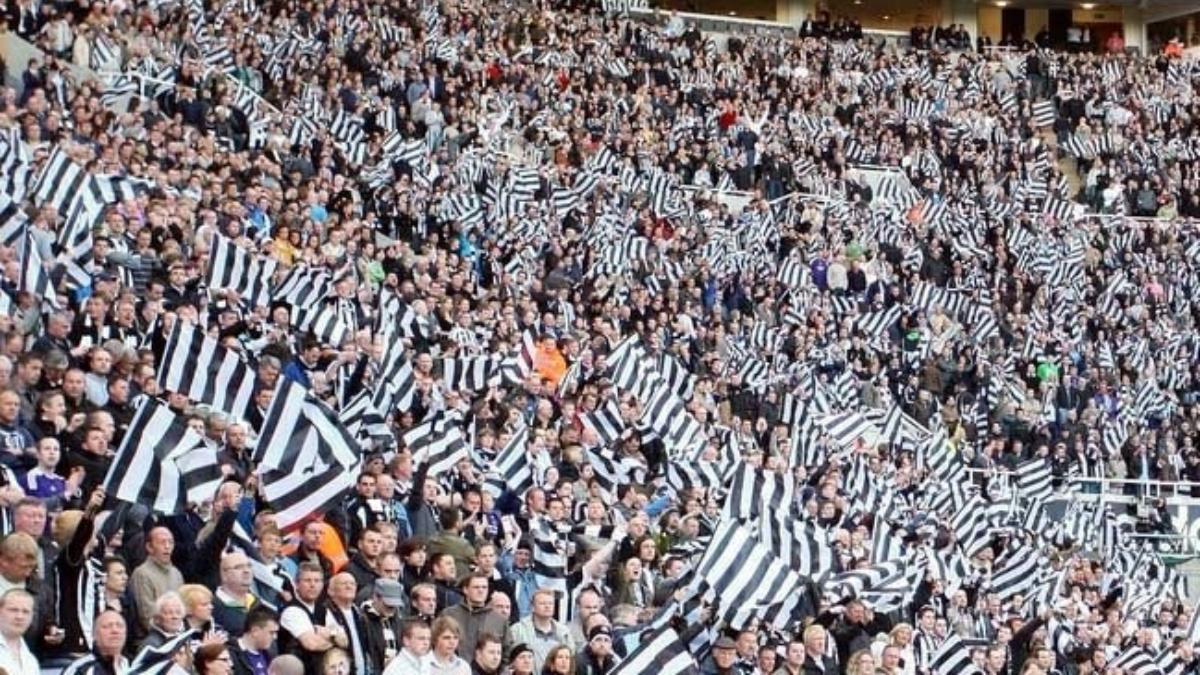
298 373
524 583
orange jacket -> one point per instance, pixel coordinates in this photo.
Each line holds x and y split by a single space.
549 363
331 547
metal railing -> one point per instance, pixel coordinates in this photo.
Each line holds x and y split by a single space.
1183 509
726 25
17 51
1171 488
737 200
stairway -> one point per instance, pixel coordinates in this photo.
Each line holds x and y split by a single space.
1067 164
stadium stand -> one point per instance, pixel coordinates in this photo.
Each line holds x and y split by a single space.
403 337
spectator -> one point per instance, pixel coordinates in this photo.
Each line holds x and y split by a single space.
167 620
198 612
309 549
381 621
251 651
520 660
423 604
18 567
16 617
559 661
73 532
29 517
488 655
450 541
473 616
308 631
597 656
365 559
443 657
443 572
212 659
233 599
15 440
156 575
106 657
285 664
540 631
414 655
342 591
117 596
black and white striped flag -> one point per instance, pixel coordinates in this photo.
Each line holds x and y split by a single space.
1059 209
232 267
1136 661
302 286
438 442
72 191
13 220
797 542
749 581
306 459
35 278
1043 113
754 492
118 91
874 324
693 475
468 373
396 384
149 661
198 367
162 463
323 321
1033 479
271 576
363 421
160 660
953 658
661 653
1016 573
105 54
511 468
16 172
517 368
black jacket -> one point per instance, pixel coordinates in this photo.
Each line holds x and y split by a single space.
374 628
826 666
363 575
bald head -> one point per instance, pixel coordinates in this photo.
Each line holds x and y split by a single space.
236 574
285 664
342 588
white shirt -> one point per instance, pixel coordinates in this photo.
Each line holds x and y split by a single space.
454 666
356 645
295 621
407 663
21 662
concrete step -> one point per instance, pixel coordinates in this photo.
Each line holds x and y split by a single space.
1067 165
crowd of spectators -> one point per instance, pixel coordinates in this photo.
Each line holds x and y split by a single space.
539 191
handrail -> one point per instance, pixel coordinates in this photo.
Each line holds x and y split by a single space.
1138 482
877 167
1140 219
747 25
654 13
270 107
17 51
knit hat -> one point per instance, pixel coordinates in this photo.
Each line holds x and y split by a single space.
518 650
